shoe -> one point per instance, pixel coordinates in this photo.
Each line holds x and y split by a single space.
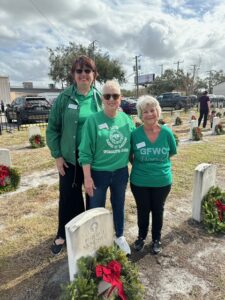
139 244
123 245
156 247
56 249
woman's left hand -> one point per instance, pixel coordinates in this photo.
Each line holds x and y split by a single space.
89 186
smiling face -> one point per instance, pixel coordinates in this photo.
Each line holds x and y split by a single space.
111 99
150 115
83 76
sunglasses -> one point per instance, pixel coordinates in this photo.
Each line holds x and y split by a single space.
87 71
109 96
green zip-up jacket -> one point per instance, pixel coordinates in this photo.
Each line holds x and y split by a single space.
63 123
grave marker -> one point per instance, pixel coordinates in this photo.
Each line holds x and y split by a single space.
204 178
194 123
5 158
86 233
216 121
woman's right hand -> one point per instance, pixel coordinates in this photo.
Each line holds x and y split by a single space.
89 186
60 164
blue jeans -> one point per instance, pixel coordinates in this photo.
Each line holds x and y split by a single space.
117 182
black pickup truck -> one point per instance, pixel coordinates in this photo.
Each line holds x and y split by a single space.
174 100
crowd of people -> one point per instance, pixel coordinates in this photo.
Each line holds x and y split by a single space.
92 142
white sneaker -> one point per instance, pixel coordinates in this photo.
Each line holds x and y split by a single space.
123 245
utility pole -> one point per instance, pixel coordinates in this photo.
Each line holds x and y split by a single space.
93 47
178 64
161 70
193 76
136 71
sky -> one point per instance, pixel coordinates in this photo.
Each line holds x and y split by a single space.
164 34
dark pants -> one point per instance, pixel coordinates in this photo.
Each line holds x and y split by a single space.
71 202
150 199
117 182
204 115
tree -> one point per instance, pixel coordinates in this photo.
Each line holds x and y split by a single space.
62 57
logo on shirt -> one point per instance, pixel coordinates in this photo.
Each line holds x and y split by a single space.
116 139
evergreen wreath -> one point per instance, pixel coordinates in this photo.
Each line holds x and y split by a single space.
213 210
109 261
37 141
218 114
196 134
219 129
161 122
9 179
178 121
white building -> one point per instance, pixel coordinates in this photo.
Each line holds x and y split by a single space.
219 89
5 89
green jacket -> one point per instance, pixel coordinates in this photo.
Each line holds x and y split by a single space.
63 122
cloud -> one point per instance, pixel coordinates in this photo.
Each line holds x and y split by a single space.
162 31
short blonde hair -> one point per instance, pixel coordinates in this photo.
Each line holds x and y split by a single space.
147 101
111 84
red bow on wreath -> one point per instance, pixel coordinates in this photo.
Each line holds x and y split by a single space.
221 208
111 274
4 172
37 139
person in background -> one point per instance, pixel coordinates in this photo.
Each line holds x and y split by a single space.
2 106
63 135
204 108
104 155
151 176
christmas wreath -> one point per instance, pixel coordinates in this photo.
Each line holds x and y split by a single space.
161 122
111 269
218 114
196 134
178 121
213 210
37 141
9 179
219 129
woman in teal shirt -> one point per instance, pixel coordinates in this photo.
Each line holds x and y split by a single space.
104 155
151 176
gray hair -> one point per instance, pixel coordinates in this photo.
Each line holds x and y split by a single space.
147 101
111 84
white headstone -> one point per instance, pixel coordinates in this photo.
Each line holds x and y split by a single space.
204 178
194 123
216 121
192 115
5 158
86 233
34 130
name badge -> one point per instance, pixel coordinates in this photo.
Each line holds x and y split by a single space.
140 145
73 106
102 126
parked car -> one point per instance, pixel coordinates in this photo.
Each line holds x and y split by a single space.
174 100
129 106
27 109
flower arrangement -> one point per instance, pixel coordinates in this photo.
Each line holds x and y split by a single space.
37 141
213 210
9 179
196 134
178 121
110 267
219 129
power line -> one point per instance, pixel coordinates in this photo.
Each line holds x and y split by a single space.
48 21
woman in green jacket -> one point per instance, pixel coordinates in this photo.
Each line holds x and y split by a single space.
68 114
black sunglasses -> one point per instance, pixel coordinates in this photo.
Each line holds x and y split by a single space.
114 96
87 71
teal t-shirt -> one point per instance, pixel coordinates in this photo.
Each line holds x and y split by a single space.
152 166
87 107
105 141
